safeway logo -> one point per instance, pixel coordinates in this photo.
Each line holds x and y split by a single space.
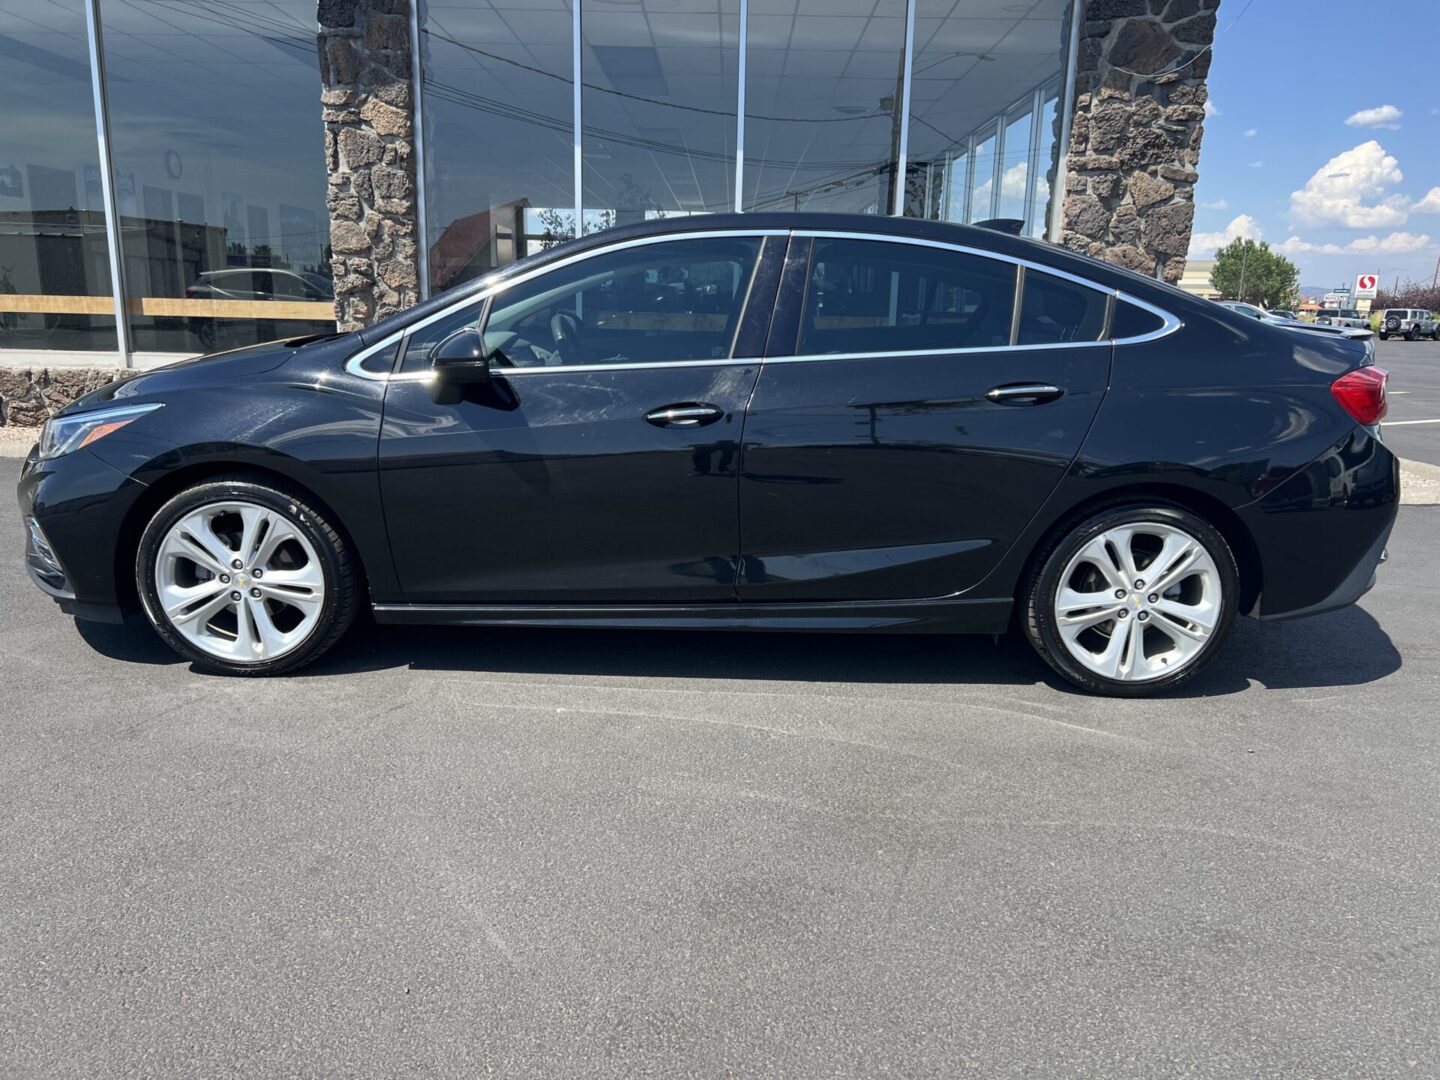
1366 283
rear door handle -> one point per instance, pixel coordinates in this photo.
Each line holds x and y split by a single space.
1024 393
686 414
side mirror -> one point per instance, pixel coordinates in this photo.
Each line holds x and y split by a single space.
459 360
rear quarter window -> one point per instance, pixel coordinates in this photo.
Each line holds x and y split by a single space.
1131 321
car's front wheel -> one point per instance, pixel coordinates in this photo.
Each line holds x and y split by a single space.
245 577
1133 600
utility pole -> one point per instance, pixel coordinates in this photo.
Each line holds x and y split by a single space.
1435 277
1244 258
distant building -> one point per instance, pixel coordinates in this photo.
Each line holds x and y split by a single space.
1196 279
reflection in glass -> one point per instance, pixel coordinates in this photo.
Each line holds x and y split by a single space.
216 136
497 107
1014 168
981 180
977 70
54 268
659 109
1044 171
822 127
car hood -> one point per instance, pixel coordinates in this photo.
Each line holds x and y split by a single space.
210 370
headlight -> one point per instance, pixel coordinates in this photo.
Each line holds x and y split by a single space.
61 434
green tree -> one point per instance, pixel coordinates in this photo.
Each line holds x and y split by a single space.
1250 271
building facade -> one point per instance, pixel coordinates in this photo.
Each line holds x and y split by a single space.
179 176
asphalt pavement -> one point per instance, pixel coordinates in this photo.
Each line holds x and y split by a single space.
1412 428
594 854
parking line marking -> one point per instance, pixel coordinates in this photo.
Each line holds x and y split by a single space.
1402 423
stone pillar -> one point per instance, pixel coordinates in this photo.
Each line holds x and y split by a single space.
1135 137
364 48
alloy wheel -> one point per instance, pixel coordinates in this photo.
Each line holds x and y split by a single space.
1139 601
239 581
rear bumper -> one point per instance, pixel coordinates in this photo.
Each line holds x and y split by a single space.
1321 534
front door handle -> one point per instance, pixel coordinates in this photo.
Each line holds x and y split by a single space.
687 414
1024 393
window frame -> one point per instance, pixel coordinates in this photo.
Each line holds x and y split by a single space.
487 287
1169 323
484 293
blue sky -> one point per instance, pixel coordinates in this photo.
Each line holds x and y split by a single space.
1323 140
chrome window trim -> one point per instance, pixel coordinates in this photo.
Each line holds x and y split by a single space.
1169 323
484 293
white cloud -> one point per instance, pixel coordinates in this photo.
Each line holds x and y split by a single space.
1257 164
1211 109
1386 116
1430 204
1293 245
1012 181
1203 245
1349 190
1396 243
1218 204
1250 133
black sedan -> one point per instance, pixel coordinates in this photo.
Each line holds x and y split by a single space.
767 422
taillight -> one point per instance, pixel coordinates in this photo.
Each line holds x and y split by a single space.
1361 393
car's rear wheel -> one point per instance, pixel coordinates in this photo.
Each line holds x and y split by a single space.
245 577
1412 334
1384 336
1132 600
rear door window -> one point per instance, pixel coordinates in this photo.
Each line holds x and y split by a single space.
1054 311
874 296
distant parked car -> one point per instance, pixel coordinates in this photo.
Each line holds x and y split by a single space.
260 283
1250 311
1409 323
1342 317
254 283
1281 313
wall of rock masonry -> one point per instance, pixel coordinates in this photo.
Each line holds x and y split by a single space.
364 49
29 395
1135 137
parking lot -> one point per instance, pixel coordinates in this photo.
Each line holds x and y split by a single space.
552 854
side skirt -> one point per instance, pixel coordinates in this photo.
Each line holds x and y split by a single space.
946 616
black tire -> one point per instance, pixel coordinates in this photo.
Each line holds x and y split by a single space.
1384 336
1412 334
342 587
1054 555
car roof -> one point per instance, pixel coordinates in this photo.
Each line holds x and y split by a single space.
989 240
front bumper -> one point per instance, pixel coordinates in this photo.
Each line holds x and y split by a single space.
75 510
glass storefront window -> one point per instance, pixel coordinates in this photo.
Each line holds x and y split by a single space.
975 73
1043 172
54 266
659 103
499 132
822 112
982 180
1014 168
217 145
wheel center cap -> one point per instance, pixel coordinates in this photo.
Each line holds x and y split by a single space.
240 578
1137 601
